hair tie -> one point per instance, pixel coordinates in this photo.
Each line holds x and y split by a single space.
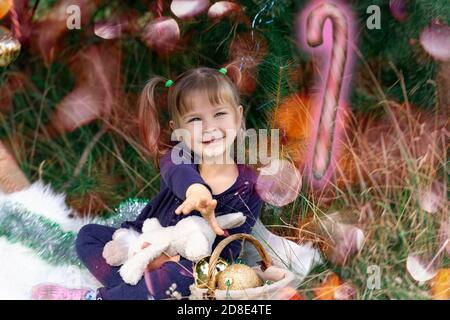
169 83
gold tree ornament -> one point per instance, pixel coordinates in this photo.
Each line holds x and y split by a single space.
9 48
238 277
201 270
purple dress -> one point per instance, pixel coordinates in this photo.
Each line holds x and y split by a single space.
172 279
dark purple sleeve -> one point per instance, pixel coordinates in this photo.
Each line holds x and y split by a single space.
232 250
179 177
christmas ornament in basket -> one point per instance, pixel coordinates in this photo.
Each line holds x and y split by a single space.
241 282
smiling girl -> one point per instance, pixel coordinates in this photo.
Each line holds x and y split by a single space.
205 118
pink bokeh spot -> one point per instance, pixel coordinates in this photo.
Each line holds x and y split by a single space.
281 187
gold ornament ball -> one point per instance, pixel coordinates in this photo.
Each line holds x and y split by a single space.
9 49
238 277
201 270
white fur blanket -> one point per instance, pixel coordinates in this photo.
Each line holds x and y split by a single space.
21 268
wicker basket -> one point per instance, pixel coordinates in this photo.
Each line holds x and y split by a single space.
281 278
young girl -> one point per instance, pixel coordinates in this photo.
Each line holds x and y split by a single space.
206 117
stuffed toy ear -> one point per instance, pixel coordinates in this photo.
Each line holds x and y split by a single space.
151 224
232 220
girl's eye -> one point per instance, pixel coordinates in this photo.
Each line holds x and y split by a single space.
218 114
194 119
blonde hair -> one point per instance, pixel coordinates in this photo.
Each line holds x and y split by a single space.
219 88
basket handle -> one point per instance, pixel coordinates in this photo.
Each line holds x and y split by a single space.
214 259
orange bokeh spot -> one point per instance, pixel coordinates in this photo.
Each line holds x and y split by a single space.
440 288
328 288
5 6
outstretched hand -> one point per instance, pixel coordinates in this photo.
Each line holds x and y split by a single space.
201 201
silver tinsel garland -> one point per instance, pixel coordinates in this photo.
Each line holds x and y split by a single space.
47 238
128 210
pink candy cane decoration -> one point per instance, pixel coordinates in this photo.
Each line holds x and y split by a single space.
330 100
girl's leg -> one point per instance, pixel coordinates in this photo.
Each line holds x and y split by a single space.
89 245
170 281
125 291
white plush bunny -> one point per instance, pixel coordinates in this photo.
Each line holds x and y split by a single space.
191 237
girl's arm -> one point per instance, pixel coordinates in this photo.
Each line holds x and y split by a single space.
182 179
179 177
186 183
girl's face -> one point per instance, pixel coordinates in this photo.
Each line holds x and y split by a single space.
209 130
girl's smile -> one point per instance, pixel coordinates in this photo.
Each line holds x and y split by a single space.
213 140
210 129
